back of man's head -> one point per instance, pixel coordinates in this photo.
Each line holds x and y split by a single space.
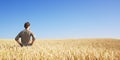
26 25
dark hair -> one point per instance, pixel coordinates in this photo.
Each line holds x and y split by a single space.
26 25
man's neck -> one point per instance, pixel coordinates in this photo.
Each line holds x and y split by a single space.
27 29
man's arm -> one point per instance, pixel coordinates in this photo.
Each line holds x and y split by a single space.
19 43
17 39
33 39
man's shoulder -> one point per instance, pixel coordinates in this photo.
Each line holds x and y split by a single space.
29 31
26 31
23 30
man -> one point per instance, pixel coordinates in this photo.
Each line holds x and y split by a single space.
25 36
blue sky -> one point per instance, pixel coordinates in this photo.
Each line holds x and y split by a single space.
61 18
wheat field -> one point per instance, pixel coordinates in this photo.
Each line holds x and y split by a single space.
69 49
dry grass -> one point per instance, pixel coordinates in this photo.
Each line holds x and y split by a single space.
72 49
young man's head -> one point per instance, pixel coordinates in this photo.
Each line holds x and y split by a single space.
26 25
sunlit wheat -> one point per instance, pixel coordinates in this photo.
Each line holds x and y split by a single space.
69 49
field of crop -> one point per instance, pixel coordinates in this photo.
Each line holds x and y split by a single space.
69 49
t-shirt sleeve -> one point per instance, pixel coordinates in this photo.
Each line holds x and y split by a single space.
18 36
33 37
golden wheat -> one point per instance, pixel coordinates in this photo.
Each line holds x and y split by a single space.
71 49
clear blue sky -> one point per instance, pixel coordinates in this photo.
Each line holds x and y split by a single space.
61 18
